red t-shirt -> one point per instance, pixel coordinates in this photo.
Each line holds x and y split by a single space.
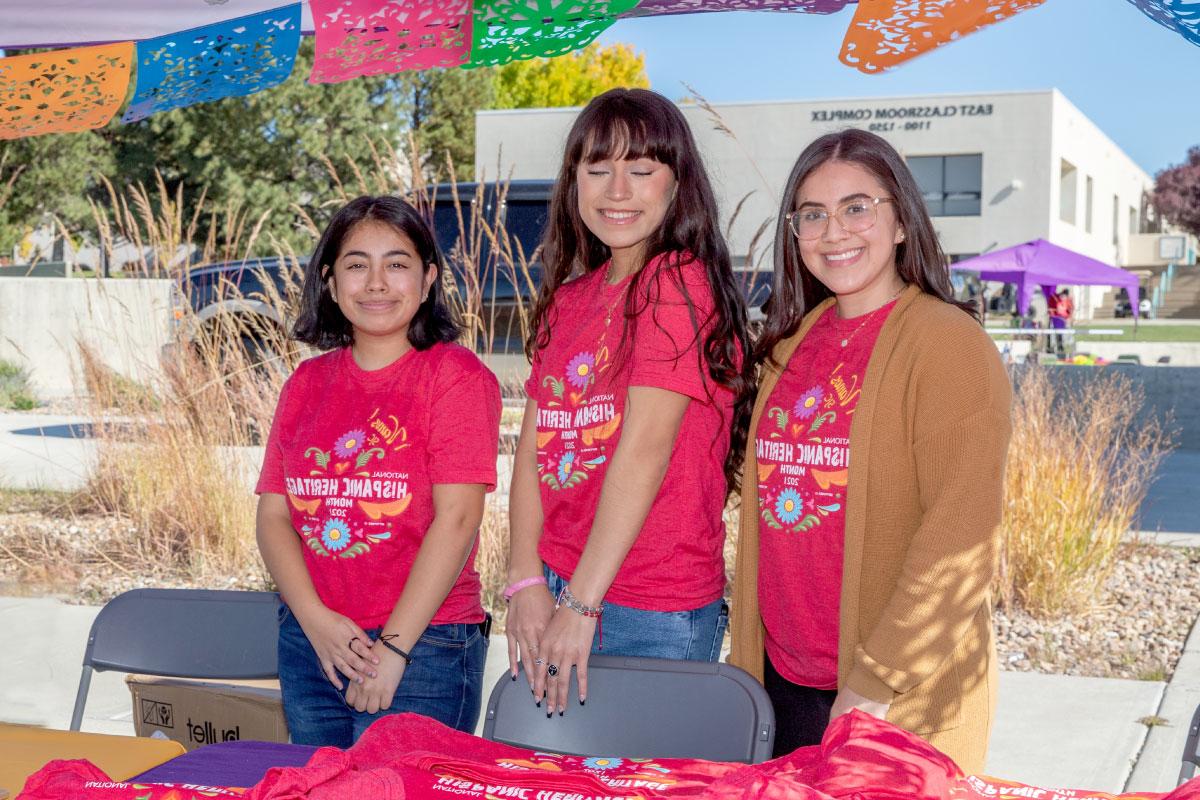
803 449
357 453
579 382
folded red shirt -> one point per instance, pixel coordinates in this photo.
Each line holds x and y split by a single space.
413 757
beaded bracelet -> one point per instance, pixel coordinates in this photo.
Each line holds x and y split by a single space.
565 598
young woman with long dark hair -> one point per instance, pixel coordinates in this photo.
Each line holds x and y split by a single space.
372 487
640 362
874 470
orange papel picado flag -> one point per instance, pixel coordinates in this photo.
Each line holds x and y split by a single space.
885 33
64 90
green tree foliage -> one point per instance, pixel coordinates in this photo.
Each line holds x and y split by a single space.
53 175
569 80
441 114
270 153
270 150
1177 192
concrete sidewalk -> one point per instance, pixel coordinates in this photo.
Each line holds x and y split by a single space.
1052 731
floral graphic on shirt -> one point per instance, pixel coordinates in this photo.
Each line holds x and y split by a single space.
807 405
581 370
335 535
565 476
348 443
574 422
797 445
564 466
788 506
340 477
600 762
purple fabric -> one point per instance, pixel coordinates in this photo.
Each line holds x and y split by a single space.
241 763
1039 263
652 8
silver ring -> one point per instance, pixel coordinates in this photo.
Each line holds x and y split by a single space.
538 661
552 670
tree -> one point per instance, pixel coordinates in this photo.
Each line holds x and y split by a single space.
441 115
270 153
270 150
569 80
53 175
1177 192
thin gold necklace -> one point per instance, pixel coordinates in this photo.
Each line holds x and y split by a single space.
867 317
608 312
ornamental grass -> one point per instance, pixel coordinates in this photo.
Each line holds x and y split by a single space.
178 456
1084 451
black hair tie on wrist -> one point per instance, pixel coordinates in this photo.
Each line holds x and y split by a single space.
387 642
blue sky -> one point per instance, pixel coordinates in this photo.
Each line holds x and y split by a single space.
1135 79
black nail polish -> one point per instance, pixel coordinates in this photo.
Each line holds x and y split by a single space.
538 704
549 714
583 702
514 677
560 713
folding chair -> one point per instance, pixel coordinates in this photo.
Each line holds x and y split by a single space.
182 633
642 707
1191 750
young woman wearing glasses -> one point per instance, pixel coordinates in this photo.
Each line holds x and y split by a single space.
874 467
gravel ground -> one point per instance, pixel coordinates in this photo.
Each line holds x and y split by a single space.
1146 613
1147 610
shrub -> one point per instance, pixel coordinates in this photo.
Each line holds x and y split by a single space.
15 391
1082 456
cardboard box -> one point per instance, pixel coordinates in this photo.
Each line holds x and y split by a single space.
199 712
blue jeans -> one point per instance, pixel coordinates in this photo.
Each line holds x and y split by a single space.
444 681
694 635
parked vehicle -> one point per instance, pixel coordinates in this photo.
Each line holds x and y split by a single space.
241 299
497 275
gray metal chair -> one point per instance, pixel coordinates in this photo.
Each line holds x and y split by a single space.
182 633
1191 750
642 708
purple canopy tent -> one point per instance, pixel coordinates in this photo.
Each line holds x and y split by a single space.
1039 263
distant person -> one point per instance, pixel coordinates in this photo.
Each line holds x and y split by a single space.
1062 310
874 475
640 359
1146 308
372 488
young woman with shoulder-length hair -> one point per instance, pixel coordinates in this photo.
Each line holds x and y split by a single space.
372 488
874 469
640 363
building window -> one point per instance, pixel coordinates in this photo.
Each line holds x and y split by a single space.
1133 220
1087 211
1116 226
1068 178
951 185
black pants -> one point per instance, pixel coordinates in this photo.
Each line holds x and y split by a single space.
801 712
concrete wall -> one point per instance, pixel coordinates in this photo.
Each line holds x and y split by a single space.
126 321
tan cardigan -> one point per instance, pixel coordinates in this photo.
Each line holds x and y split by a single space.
927 450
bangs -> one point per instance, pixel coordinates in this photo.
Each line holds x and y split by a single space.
616 135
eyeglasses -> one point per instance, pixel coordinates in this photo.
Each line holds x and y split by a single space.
855 216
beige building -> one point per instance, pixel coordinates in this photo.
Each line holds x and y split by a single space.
997 169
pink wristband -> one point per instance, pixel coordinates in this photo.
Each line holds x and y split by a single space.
523 584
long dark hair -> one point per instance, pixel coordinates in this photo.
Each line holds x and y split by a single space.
919 258
322 324
631 124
